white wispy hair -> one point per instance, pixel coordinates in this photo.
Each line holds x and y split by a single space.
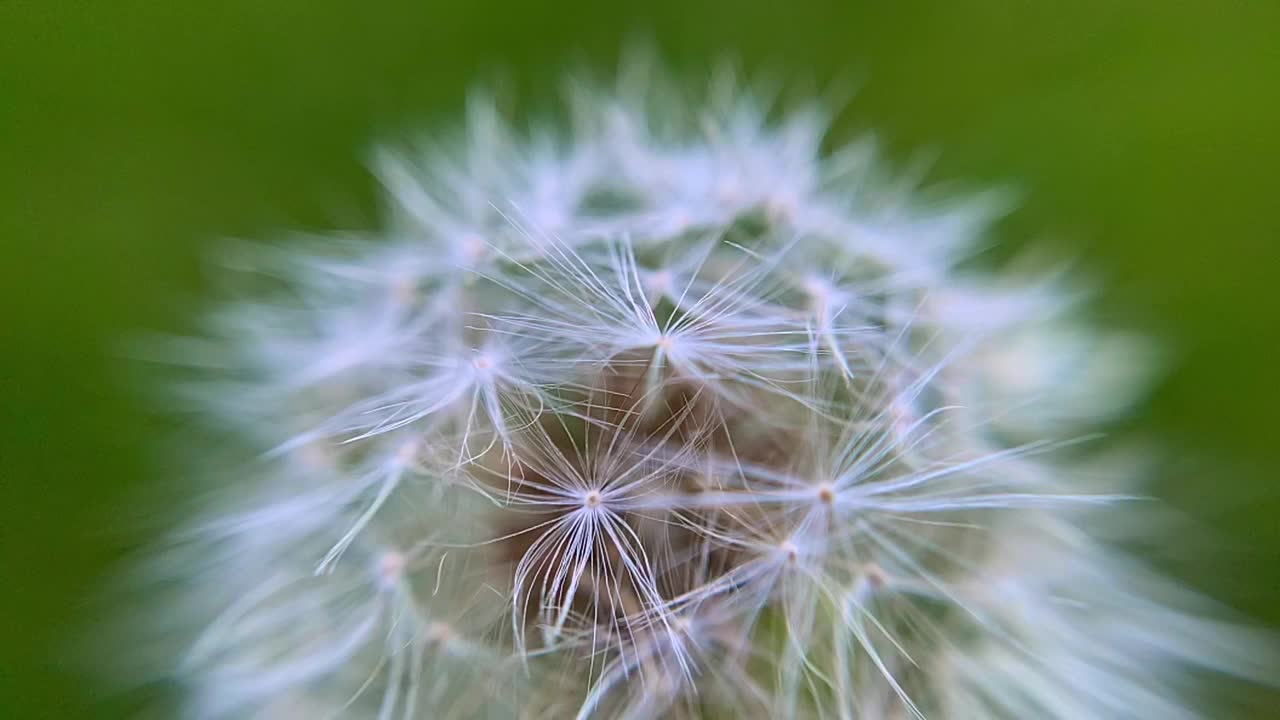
673 413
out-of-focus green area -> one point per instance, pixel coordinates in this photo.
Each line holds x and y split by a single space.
1146 136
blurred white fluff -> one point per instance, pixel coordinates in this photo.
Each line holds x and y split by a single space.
671 412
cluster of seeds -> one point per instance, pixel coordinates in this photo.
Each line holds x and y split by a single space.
674 413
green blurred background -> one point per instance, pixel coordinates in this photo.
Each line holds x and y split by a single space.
134 133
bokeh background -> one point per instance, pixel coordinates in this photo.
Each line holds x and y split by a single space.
1144 137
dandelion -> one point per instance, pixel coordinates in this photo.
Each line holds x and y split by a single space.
673 412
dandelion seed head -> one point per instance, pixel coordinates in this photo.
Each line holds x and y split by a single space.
669 412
